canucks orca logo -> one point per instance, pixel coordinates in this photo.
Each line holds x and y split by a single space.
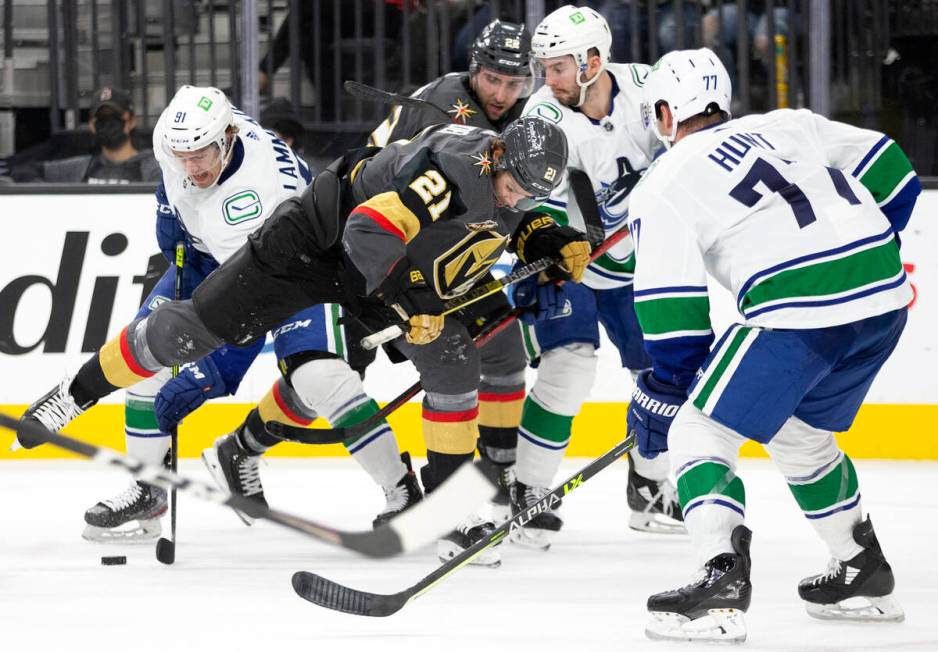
612 196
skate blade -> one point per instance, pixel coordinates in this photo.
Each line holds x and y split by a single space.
717 626
489 558
655 524
859 609
141 532
210 459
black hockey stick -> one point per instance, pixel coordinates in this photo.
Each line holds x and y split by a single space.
426 521
372 94
337 435
166 548
331 595
585 199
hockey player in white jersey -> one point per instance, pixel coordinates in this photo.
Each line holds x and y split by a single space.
222 176
597 105
798 216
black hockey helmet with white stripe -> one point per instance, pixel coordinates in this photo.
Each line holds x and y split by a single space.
535 154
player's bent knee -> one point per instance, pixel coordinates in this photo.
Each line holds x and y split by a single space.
325 385
565 377
694 435
799 449
175 334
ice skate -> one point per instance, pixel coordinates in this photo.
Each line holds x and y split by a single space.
501 474
131 516
859 589
654 505
537 529
53 411
711 608
236 471
402 496
468 533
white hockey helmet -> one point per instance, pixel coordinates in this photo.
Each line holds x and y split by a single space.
196 117
691 82
574 31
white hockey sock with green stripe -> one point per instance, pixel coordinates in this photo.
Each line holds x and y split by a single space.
145 442
713 500
375 451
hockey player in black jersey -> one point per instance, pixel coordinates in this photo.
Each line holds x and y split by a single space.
490 95
388 233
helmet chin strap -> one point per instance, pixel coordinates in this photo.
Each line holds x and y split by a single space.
585 85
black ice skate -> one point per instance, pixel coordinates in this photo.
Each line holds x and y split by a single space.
537 528
132 516
856 589
654 505
503 476
712 607
54 411
402 496
473 529
236 471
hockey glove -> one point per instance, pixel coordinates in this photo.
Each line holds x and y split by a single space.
406 290
424 328
653 408
185 393
539 236
540 301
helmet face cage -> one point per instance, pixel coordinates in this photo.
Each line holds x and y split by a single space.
535 155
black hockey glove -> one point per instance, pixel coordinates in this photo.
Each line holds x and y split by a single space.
407 292
539 236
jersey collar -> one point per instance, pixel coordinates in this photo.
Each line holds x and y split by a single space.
237 158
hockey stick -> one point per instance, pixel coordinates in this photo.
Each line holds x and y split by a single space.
337 435
331 595
426 521
480 292
166 548
585 199
372 94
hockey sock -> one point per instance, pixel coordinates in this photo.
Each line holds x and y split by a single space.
145 441
499 416
543 440
440 466
115 365
655 469
279 404
830 500
376 450
713 500
253 435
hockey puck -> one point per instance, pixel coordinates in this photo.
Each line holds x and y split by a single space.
119 560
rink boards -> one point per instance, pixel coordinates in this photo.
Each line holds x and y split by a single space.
73 274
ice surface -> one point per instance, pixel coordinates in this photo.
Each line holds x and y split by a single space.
230 587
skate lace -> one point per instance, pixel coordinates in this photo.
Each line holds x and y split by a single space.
249 475
59 409
397 498
124 500
834 567
667 494
534 494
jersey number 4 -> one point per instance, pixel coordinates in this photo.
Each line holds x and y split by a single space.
745 191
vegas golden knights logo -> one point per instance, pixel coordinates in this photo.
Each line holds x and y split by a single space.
458 269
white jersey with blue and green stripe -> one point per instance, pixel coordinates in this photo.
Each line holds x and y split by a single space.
795 214
613 152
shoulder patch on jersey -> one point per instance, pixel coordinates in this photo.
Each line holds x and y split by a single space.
639 73
547 111
461 110
484 161
242 206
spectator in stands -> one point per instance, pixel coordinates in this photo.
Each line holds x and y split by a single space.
280 117
618 13
720 29
116 160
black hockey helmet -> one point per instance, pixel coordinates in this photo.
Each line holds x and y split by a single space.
535 154
502 47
